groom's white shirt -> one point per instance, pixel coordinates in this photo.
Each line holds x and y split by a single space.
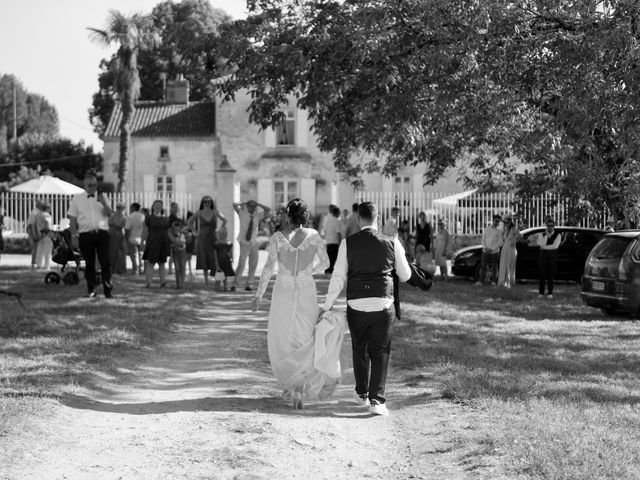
339 277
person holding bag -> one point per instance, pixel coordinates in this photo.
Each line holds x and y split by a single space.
206 219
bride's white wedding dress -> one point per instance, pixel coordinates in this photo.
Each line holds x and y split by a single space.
294 313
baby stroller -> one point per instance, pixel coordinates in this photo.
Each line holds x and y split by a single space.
63 253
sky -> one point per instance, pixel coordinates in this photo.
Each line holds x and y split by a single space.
45 44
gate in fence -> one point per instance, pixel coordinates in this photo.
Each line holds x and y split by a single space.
468 213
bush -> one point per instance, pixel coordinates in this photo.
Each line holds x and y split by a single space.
17 243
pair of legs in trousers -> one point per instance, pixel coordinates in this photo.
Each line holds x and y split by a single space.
487 259
248 250
94 243
371 345
332 253
547 261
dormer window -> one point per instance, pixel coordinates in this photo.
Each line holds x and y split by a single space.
164 154
286 130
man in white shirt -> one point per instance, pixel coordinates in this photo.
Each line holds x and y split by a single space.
133 227
89 222
391 225
491 244
332 235
366 262
248 239
548 242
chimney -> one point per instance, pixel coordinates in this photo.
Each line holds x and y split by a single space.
178 91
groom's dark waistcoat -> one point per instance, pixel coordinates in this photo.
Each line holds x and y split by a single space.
370 260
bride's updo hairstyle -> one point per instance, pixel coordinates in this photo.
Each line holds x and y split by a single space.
297 212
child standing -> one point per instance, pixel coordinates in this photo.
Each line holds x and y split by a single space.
178 240
224 256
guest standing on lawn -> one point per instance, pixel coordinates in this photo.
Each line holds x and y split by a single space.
89 224
42 229
224 256
548 242
508 254
31 232
441 240
205 221
391 225
156 239
423 232
117 256
332 235
352 221
491 243
178 239
250 219
133 227
174 216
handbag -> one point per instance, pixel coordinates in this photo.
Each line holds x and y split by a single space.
219 276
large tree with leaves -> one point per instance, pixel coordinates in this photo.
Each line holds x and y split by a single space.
433 81
129 33
34 114
186 33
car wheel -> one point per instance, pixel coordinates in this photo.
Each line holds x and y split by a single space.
608 311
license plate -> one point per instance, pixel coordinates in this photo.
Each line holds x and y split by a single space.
597 285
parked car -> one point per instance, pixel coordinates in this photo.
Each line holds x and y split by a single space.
575 245
611 279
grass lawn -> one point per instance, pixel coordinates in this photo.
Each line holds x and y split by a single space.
64 342
552 386
548 389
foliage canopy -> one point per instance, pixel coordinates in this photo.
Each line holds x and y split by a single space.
433 81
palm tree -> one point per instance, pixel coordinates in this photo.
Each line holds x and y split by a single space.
130 33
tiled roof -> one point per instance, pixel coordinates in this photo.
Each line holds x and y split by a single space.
152 119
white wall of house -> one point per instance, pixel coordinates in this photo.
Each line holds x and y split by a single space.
188 166
271 172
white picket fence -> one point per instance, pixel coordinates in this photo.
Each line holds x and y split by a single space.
469 213
17 205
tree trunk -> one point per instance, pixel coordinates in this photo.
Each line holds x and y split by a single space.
128 108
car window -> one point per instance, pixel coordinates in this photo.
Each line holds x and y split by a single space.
586 240
610 248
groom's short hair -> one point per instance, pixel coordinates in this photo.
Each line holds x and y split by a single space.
367 211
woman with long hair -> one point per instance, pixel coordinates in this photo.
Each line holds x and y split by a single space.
300 253
205 222
156 238
508 254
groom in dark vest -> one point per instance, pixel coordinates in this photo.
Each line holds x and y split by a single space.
366 263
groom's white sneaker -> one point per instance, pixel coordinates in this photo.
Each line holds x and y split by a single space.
378 408
362 400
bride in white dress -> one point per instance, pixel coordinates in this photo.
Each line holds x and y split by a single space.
299 253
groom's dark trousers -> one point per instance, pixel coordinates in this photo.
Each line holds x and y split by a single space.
371 344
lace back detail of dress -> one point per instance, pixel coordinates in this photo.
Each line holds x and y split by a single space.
296 260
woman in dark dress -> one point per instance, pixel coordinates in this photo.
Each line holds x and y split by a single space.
423 232
156 237
205 222
118 253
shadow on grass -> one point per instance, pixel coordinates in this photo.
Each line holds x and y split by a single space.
489 343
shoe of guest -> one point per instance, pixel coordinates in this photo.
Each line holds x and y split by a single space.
362 400
248 288
541 295
232 288
378 408
108 294
92 294
478 283
550 296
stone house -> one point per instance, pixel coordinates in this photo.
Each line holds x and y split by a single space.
177 147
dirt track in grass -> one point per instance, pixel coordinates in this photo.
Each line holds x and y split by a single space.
203 404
